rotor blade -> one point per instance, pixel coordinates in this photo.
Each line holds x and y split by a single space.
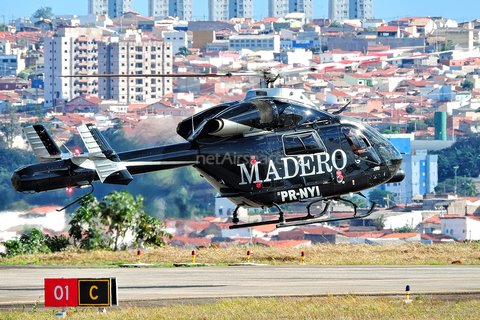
172 75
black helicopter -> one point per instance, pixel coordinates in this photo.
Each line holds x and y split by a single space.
272 148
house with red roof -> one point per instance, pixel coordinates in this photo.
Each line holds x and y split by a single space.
84 103
187 242
431 225
461 227
408 237
388 32
435 238
337 97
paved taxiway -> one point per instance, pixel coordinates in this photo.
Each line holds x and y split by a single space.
24 285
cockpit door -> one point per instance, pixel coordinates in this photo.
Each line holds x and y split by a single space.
360 145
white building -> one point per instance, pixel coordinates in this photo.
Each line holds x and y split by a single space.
135 57
341 10
112 8
73 52
177 38
11 65
183 9
252 42
461 227
221 10
280 8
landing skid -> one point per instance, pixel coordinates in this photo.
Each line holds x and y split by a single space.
354 216
301 221
282 219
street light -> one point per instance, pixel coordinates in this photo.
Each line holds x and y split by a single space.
455 169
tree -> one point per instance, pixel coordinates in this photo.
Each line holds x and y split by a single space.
464 153
149 231
183 51
23 75
3 27
336 24
119 212
465 187
447 46
11 128
94 224
85 229
410 109
468 85
379 223
361 202
392 128
43 12
405 229
380 197
416 125
430 121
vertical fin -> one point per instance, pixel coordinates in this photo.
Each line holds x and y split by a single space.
44 147
107 163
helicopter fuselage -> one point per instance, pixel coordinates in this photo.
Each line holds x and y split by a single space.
257 153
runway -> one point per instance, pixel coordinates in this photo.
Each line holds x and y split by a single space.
160 286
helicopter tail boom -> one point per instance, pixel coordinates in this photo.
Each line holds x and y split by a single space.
101 162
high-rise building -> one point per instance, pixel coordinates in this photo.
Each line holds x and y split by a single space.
132 57
280 8
112 8
220 10
341 10
73 51
183 9
421 173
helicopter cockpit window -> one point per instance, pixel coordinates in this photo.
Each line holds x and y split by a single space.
303 143
360 145
293 115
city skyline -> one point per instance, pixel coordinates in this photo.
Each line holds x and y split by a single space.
384 9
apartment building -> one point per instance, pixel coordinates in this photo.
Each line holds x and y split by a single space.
341 10
421 173
177 38
132 57
112 8
11 64
221 10
255 42
73 51
280 8
183 9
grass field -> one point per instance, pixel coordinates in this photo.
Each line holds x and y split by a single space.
321 254
346 307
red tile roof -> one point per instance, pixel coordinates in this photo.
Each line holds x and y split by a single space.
388 28
270 19
433 219
400 235
289 243
338 93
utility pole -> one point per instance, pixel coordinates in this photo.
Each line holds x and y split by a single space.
455 169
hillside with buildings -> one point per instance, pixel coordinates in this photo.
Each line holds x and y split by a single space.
422 104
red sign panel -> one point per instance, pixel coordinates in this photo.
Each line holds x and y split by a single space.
61 292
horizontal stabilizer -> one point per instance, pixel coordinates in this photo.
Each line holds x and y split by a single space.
44 147
107 163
